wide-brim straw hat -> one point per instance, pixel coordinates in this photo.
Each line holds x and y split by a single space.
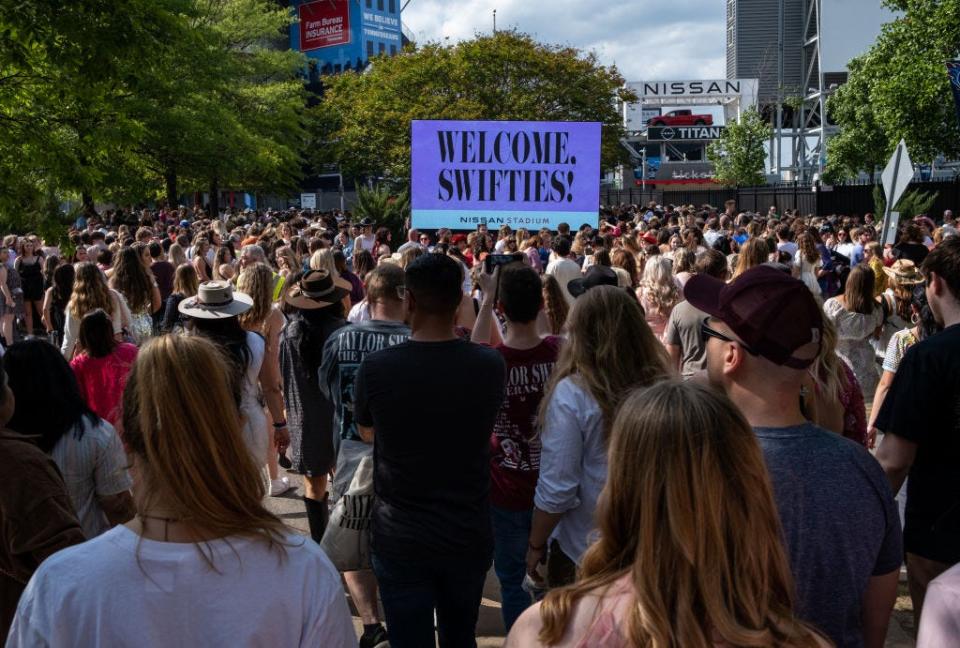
318 289
904 272
216 300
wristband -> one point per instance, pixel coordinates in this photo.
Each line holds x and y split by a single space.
279 425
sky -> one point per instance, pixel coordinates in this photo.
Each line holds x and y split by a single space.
646 39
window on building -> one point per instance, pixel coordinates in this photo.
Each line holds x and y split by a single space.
369 4
369 48
379 5
383 48
393 50
393 6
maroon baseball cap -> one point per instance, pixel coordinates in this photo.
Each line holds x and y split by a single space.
770 311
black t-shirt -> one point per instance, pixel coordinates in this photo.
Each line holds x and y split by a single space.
432 406
923 406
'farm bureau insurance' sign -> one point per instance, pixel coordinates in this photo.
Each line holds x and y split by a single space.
522 174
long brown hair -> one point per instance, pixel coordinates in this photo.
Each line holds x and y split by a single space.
808 248
752 253
555 304
609 349
132 280
185 280
688 515
185 428
858 293
256 281
90 291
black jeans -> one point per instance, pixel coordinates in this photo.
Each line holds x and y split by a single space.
411 590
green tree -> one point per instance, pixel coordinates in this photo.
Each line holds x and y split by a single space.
862 147
363 122
738 156
123 100
912 203
386 208
65 94
899 88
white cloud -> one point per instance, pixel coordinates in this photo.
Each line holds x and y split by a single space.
646 39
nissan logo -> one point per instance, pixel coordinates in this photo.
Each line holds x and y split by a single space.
667 133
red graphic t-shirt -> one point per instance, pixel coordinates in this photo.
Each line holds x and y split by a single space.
515 443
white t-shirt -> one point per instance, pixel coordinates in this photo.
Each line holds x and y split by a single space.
97 594
564 271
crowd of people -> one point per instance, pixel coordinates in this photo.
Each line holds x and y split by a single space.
684 426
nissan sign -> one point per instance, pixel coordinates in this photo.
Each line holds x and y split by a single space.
683 133
712 89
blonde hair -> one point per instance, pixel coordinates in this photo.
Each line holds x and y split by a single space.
688 515
609 349
658 286
257 281
186 429
323 260
177 256
826 372
90 291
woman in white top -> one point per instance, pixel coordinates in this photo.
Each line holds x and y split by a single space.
858 318
90 292
266 319
808 264
609 348
85 447
215 315
203 563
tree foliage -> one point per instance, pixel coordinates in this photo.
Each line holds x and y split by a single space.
899 88
738 156
363 124
388 209
106 99
913 202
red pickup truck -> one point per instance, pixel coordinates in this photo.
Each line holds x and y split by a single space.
681 118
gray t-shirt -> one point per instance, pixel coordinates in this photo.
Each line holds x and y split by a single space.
342 355
683 330
839 520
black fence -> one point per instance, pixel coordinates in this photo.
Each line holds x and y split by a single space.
840 199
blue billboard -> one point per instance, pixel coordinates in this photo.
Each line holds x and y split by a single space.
342 35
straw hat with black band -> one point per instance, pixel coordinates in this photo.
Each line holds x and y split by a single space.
318 289
216 300
905 273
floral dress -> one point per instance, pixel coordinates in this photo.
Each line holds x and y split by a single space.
854 331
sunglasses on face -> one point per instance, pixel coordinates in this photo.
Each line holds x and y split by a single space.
709 332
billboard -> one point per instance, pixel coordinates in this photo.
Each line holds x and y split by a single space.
522 174
325 23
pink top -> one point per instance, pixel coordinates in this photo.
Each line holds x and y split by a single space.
598 620
102 379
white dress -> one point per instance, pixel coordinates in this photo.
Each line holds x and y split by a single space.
255 431
808 274
854 331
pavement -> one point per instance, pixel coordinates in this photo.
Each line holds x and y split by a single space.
490 630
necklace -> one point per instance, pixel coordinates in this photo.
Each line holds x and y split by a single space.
166 523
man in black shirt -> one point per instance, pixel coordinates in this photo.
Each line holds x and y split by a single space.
921 418
432 537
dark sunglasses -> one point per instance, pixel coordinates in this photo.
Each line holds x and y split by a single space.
708 332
